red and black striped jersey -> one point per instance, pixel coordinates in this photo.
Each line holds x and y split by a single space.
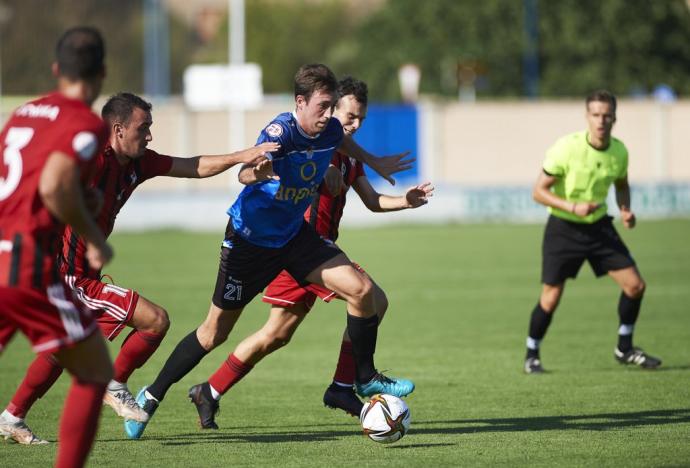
29 233
326 210
116 182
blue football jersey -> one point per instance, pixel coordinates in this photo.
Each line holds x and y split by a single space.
270 213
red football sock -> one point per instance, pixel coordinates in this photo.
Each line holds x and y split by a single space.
79 423
136 350
228 374
40 376
345 370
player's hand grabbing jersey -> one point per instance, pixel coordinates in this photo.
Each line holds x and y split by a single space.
326 209
28 231
270 213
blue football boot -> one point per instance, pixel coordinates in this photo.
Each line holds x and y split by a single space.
382 384
134 429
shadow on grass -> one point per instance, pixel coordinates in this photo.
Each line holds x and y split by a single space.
587 422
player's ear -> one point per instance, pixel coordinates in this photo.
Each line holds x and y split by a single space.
55 70
300 101
118 129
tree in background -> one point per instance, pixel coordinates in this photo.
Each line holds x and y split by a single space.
626 45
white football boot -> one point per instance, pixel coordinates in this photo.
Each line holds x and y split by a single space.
124 404
19 432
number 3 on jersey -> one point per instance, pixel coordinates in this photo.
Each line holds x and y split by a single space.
16 139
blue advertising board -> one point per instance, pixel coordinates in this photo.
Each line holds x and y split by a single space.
390 129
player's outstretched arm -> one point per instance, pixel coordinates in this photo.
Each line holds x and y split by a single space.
385 166
542 194
623 201
253 173
61 192
200 167
414 197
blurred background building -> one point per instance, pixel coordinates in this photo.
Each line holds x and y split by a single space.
488 86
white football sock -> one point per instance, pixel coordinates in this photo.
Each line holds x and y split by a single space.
532 343
10 418
115 386
214 393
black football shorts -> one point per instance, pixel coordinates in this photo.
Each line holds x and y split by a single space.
246 269
567 245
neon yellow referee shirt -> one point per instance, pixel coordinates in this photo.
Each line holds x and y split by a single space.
584 174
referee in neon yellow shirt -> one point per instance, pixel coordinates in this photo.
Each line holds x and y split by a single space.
577 174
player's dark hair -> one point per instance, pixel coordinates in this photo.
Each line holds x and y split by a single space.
601 95
80 53
314 77
119 107
355 87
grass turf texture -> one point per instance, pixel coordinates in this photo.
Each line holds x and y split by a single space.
460 299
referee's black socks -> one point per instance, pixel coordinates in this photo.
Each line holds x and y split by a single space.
186 355
628 311
538 324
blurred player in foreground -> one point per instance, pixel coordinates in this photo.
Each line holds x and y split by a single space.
124 164
290 301
48 147
577 174
266 233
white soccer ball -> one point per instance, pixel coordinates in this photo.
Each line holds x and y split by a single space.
385 418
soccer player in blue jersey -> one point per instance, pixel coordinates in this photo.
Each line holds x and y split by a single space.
266 233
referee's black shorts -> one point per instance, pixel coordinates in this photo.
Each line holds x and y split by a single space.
245 269
567 245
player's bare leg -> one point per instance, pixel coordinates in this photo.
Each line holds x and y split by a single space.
89 363
150 323
539 324
276 333
186 355
632 290
339 275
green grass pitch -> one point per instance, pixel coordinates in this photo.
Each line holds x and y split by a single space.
460 298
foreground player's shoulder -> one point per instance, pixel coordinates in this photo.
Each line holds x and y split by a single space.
86 133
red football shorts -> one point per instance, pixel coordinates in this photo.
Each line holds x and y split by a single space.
51 319
284 291
112 304
6 333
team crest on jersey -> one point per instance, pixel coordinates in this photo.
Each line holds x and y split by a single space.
274 130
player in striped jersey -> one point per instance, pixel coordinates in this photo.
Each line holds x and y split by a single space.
124 164
290 301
